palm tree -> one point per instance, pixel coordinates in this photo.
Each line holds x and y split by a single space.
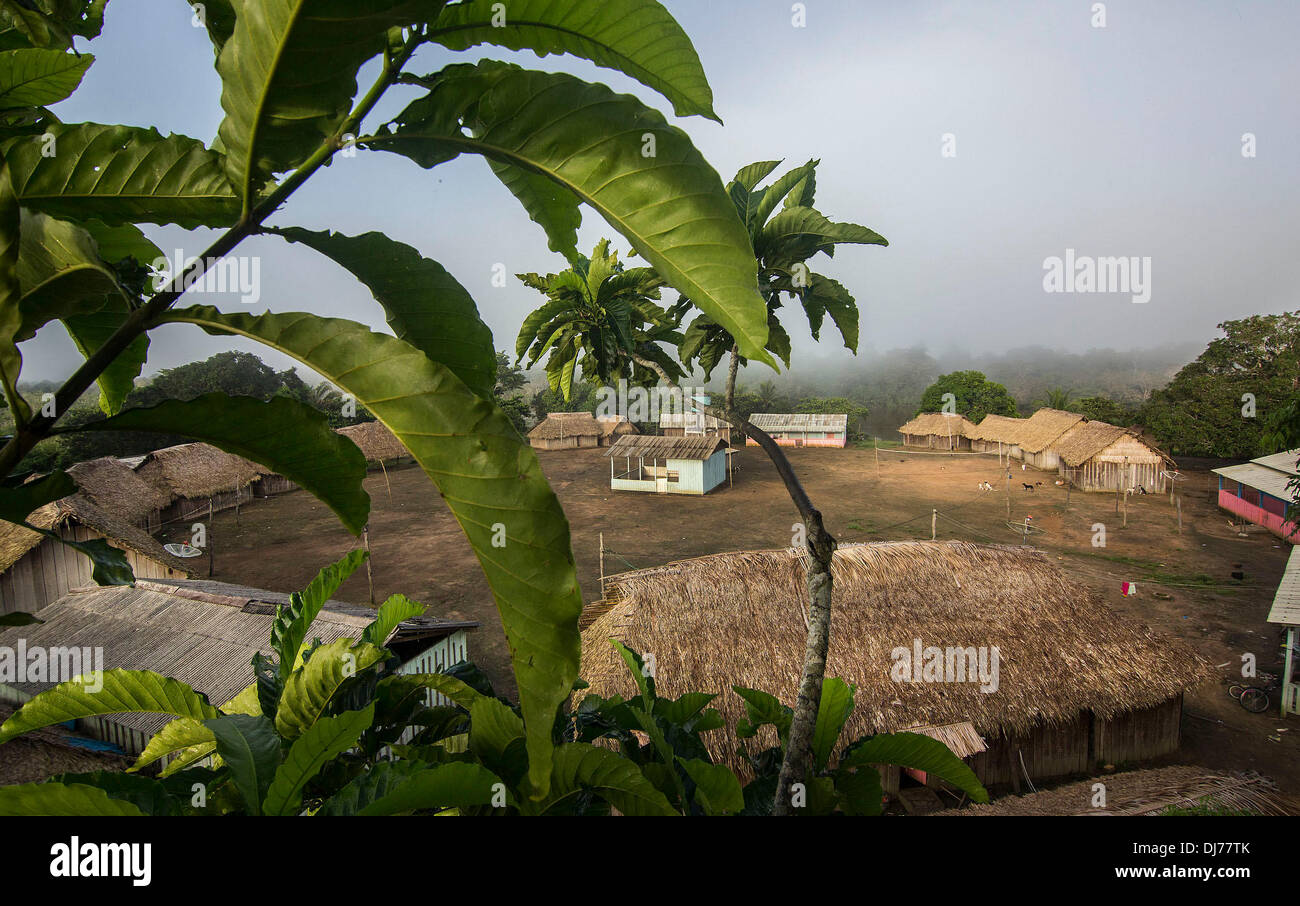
783 243
599 315
1059 398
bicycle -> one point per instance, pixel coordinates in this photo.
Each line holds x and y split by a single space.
1255 699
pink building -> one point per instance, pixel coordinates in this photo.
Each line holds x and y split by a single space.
1260 492
802 429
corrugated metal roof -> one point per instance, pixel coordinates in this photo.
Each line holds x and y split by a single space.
799 421
642 446
1262 478
1281 462
1286 603
695 419
208 644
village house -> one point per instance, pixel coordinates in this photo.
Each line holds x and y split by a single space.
1076 684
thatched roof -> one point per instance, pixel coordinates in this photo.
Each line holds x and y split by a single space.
16 541
654 446
940 423
740 619
197 470
1145 792
997 429
616 426
114 486
558 425
1045 426
1085 440
376 442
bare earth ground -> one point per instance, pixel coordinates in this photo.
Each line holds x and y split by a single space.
418 550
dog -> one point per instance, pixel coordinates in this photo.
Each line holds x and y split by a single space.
1027 486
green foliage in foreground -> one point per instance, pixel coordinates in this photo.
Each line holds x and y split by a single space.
337 729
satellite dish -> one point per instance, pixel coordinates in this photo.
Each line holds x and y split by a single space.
180 549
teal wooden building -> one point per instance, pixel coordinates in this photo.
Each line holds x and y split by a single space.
668 465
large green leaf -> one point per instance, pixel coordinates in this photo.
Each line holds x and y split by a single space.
17 503
832 713
671 206
188 740
383 789
123 692
549 205
292 622
636 37
250 747
751 175
763 708
11 317
486 473
391 614
826 295
286 436
61 272
779 189
717 789
455 785
308 691
798 233
921 753
580 767
121 174
64 800
423 303
326 740
33 77
90 331
449 687
289 74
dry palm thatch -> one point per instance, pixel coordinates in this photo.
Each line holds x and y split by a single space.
615 426
1147 792
376 442
997 429
740 619
197 470
559 425
1085 440
15 540
1045 426
937 423
112 485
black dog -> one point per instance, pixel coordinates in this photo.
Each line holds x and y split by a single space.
1028 487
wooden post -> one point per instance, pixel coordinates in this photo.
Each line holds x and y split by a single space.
386 482
1125 482
1180 517
934 522
875 446
210 534
370 573
602 566
1008 494
1068 485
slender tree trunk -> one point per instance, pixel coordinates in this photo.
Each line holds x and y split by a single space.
821 551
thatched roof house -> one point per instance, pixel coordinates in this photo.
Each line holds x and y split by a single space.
612 427
199 476
113 486
1075 684
937 431
566 431
204 634
35 569
1039 434
1096 456
375 441
996 434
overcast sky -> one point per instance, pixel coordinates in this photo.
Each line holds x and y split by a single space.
1117 141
